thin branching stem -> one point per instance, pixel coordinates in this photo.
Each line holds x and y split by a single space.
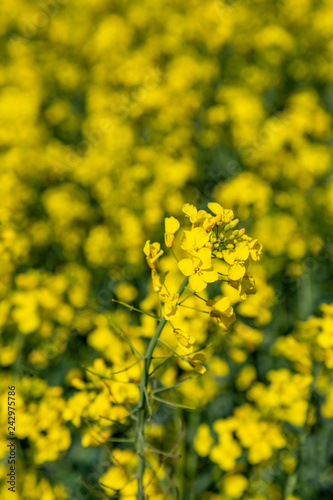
132 308
194 308
142 405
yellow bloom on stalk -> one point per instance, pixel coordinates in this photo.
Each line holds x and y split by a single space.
221 214
255 250
152 252
245 286
171 226
192 213
170 304
223 312
199 269
196 362
237 259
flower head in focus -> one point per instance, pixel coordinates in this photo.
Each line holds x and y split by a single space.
199 269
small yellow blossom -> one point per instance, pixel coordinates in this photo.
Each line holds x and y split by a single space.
245 286
237 259
192 213
153 252
194 240
171 226
183 339
255 250
222 215
170 304
199 269
223 312
196 361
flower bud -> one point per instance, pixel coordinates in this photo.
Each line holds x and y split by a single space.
233 223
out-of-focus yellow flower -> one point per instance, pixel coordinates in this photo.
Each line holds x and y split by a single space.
235 485
196 361
245 377
183 339
255 250
223 312
203 440
226 452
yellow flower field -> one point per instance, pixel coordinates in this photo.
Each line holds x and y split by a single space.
166 249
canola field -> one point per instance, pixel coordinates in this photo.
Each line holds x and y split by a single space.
166 250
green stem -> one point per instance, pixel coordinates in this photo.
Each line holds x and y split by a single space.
142 407
132 308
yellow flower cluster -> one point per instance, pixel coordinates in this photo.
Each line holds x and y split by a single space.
41 420
103 399
309 348
245 430
212 243
119 479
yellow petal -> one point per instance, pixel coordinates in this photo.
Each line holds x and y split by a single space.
190 211
169 239
215 208
186 267
205 256
201 237
223 304
196 361
225 322
242 252
229 256
197 283
209 223
146 248
199 357
188 242
210 275
236 272
171 225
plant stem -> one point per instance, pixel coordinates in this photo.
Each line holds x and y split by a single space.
142 407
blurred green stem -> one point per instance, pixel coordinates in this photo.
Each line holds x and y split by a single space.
142 406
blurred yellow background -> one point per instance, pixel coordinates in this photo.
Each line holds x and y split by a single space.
114 114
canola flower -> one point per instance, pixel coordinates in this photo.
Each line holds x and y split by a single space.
211 238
